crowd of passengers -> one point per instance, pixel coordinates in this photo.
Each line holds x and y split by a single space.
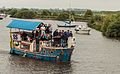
61 37
44 33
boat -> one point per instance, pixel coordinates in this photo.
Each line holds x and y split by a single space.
67 24
24 42
2 16
82 28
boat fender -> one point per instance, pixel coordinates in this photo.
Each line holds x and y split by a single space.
57 57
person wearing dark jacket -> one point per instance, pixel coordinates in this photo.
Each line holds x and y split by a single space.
65 39
68 33
55 33
71 34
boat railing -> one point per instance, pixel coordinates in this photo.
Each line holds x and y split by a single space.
24 43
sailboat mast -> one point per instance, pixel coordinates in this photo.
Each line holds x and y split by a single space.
70 9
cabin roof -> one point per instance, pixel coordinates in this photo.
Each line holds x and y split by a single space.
24 25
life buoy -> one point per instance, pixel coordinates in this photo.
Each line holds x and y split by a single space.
15 37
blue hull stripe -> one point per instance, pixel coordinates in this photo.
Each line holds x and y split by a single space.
46 55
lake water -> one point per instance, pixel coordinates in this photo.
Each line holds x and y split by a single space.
93 54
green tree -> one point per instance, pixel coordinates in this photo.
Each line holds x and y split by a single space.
46 13
105 24
12 12
25 14
96 22
54 14
88 14
113 30
63 16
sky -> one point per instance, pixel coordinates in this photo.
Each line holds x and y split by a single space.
63 4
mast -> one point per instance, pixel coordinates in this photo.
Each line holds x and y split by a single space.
71 17
70 12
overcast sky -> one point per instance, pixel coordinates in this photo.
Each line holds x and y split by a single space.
82 4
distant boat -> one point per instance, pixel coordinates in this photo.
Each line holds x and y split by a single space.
2 16
82 28
67 24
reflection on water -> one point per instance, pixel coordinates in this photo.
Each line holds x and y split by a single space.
15 64
29 66
93 54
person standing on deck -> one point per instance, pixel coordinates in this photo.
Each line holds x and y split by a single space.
62 39
68 33
50 29
71 34
59 33
65 37
42 31
55 34
59 39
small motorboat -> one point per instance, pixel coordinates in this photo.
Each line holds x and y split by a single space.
2 16
67 24
82 29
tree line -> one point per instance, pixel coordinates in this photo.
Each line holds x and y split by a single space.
108 22
54 14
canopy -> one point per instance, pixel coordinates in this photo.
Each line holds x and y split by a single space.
24 25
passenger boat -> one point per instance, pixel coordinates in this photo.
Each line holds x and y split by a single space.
24 42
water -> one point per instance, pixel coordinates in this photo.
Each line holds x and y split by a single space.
93 54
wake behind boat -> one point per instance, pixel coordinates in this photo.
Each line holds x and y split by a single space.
35 40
